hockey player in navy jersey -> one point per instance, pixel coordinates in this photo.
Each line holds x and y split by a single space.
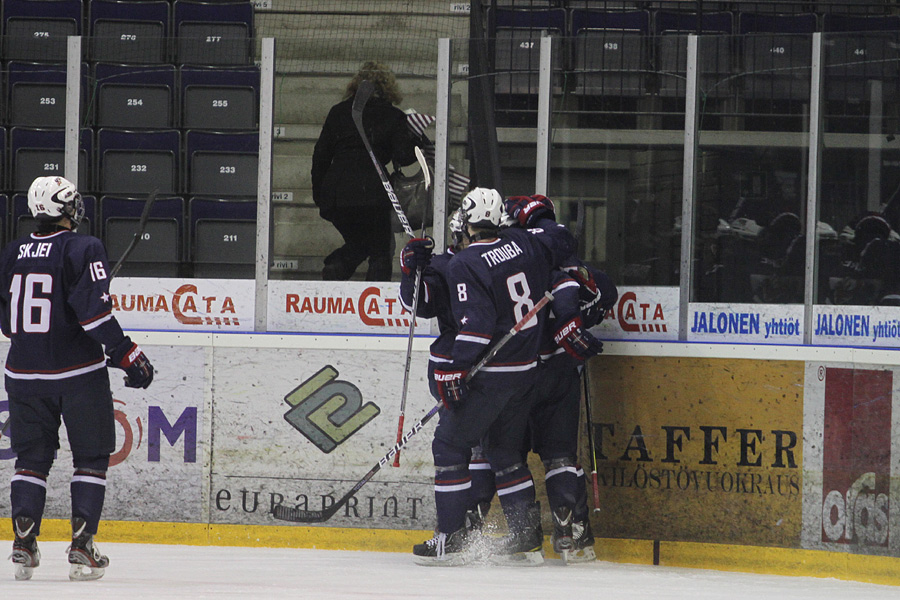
55 308
492 284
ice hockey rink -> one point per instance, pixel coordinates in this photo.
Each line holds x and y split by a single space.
139 571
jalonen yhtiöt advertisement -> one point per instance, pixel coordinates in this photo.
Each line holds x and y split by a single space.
695 449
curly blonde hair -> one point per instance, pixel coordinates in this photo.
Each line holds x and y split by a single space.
381 76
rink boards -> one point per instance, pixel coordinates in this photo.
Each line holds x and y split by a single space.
776 459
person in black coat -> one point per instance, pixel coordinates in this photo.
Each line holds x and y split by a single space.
346 186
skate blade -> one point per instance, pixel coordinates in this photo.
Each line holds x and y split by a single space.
85 572
456 559
24 573
573 557
519 559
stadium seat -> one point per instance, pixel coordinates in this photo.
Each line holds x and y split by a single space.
4 170
160 252
611 52
138 162
129 31
4 219
859 49
222 164
37 94
213 33
41 153
223 237
715 55
24 223
517 48
36 30
220 98
777 54
135 96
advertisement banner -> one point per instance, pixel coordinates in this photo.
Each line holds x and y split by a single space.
745 323
183 304
301 427
850 498
157 470
703 450
642 313
338 307
877 326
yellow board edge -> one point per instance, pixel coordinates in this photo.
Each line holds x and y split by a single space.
722 557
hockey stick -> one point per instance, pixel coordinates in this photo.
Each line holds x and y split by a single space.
5 425
297 515
363 93
412 321
590 437
142 224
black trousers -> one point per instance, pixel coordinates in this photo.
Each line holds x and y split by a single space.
367 235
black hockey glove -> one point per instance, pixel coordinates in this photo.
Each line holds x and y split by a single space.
452 387
528 209
129 357
416 255
577 341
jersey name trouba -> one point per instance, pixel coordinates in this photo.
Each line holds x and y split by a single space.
499 255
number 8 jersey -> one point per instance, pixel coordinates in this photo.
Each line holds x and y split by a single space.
56 310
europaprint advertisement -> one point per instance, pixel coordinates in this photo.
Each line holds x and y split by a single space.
699 449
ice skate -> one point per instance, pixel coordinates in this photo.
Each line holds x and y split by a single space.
475 518
25 554
582 549
444 550
523 546
562 530
85 561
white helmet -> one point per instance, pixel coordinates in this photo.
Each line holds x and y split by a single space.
457 226
483 207
50 198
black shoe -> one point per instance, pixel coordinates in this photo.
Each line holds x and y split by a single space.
25 554
444 549
86 562
562 530
525 542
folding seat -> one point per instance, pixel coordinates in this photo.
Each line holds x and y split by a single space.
714 47
220 98
517 48
138 162
41 153
135 96
213 33
222 164
160 252
37 94
36 30
223 237
777 54
4 170
4 220
23 223
859 49
612 51
129 31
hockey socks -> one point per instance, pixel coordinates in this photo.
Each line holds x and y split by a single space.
88 488
28 493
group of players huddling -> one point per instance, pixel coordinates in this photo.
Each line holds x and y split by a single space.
503 257
55 308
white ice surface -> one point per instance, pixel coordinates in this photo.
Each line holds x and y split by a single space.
145 571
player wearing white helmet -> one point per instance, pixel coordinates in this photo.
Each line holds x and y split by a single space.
491 284
55 308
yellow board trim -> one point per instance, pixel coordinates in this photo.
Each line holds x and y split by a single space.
722 557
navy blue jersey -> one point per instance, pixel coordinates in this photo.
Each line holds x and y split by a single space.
434 302
55 308
493 284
